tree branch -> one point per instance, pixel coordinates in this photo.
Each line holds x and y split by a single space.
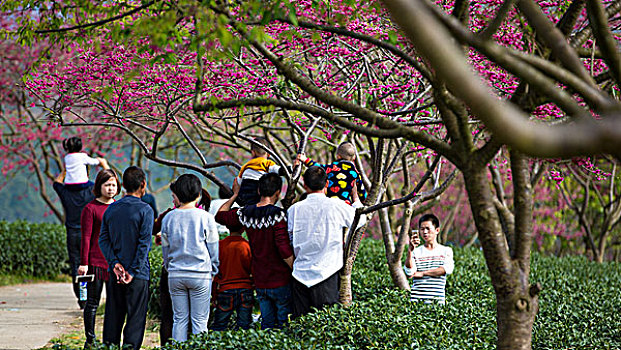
598 20
523 207
554 39
435 44
97 23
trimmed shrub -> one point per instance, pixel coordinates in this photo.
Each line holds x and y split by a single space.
578 310
33 249
155 260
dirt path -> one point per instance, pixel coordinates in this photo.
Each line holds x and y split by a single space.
32 314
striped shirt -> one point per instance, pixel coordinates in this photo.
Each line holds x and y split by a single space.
430 288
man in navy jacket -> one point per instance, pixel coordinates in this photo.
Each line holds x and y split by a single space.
125 241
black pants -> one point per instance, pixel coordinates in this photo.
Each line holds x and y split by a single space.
93 295
166 316
324 293
123 300
74 239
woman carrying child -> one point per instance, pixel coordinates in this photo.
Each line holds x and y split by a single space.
91 258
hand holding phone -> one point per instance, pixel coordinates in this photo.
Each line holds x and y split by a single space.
82 270
84 278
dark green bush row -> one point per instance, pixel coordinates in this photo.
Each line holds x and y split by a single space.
579 308
155 260
33 249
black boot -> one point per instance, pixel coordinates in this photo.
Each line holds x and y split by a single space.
90 312
93 294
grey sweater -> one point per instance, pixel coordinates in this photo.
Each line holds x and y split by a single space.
190 243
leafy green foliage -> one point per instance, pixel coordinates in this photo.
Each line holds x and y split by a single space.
155 260
32 249
578 304
578 308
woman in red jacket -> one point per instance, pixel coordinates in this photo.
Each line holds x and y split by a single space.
92 260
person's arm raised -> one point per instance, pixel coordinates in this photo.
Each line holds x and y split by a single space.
60 178
229 203
103 163
410 268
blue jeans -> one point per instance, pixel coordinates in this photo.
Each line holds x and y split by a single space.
276 305
190 301
238 300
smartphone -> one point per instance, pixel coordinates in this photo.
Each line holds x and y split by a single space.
84 278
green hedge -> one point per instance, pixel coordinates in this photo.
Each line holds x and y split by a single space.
579 308
33 249
155 260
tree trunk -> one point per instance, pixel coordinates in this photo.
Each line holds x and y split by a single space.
394 250
397 274
516 307
345 294
351 251
515 314
599 257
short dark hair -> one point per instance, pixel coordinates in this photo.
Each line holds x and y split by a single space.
269 184
205 201
102 177
133 178
72 144
315 178
429 217
258 149
187 188
224 193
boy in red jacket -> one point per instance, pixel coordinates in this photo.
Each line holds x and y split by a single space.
233 283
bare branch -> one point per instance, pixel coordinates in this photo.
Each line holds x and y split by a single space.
435 44
97 23
554 39
598 21
523 207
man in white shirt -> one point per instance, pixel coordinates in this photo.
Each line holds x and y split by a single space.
316 226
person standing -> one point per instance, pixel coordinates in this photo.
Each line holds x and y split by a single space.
150 200
166 311
92 261
73 201
190 252
428 264
233 284
316 226
272 256
125 241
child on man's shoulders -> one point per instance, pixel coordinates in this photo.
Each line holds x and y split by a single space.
342 173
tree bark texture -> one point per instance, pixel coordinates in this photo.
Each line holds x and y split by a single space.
517 302
345 293
398 275
395 251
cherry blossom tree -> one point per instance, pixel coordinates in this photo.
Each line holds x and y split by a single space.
30 142
462 80
589 188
